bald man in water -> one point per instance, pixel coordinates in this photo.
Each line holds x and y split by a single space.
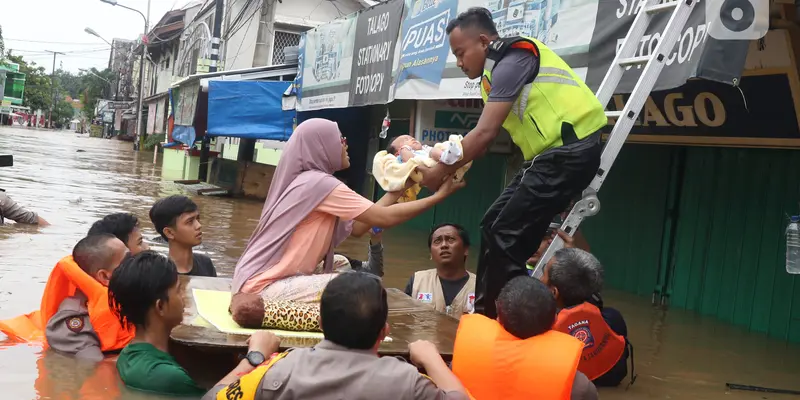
70 330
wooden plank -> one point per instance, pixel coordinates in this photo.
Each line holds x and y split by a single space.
409 320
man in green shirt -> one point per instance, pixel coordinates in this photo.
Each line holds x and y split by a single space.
145 292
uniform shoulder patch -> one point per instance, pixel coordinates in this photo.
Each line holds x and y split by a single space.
75 324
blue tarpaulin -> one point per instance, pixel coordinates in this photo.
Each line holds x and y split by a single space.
184 134
249 110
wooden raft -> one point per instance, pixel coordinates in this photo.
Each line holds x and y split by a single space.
409 321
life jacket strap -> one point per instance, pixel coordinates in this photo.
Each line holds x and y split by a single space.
629 346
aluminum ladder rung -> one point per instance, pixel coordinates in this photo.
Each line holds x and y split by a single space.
634 61
589 205
661 7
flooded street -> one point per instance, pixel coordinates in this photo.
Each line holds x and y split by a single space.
72 180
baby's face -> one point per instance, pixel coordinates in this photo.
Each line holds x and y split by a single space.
407 140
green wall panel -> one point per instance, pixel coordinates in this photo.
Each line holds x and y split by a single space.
485 181
626 234
730 249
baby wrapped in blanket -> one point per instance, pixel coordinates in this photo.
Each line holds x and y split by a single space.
395 165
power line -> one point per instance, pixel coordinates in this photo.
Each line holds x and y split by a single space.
36 56
239 50
49 42
333 3
65 52
238 22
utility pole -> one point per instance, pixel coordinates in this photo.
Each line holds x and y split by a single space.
139 142
205 146
53 86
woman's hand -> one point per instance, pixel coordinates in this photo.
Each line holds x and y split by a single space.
409 183
450 186
433 178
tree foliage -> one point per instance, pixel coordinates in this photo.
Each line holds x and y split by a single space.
69 83
87 86
94 86
63 112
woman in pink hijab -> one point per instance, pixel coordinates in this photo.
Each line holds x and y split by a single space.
308 212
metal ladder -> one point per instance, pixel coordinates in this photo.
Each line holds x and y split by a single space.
589 204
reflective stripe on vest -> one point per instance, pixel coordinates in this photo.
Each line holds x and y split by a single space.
555 109
246 387
602 348
493 364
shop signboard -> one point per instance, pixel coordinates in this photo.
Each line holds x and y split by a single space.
5 106
376 34
761 112
437 120
327 65
424 49
585 33
120 105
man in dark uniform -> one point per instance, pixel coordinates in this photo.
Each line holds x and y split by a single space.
13 211
550 114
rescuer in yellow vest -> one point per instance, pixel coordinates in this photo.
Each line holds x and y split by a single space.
552 116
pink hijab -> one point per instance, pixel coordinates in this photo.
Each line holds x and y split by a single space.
301 181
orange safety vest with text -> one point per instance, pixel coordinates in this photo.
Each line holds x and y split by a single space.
494 364
602 347
64 280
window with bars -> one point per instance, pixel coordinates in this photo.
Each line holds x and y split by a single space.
281 41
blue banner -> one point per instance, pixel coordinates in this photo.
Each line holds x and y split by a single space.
249 109
424 46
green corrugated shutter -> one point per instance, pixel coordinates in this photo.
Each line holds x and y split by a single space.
626 234
730 248
485 181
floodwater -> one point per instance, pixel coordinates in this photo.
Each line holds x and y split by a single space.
73 180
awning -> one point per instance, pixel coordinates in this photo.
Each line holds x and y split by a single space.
249 109
156 96
244 74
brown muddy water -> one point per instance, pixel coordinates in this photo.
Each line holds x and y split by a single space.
678 355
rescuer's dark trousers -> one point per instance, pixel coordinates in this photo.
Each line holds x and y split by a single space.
515 224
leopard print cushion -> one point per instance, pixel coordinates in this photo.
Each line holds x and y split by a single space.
291 316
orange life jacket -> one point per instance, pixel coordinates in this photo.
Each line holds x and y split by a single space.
65 278
602 347
494 364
